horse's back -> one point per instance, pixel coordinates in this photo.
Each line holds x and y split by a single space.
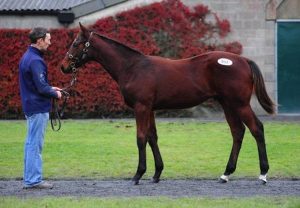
216 67
183 83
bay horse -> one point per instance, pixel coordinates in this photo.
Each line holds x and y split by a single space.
150 83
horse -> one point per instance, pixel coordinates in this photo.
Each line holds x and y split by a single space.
149 83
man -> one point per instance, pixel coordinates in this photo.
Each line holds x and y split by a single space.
36 96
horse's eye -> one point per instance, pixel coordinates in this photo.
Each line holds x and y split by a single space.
75 45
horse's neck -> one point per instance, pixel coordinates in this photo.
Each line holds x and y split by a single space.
114 57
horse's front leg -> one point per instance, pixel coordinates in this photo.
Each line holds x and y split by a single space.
142 116
152 139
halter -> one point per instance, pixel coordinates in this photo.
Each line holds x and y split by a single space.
83 54
56 114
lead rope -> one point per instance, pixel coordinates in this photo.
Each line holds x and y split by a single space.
56 114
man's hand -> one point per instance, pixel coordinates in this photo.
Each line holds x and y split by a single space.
57 89
58 94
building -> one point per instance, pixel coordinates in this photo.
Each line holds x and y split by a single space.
57 13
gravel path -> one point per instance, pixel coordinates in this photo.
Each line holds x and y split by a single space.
170 188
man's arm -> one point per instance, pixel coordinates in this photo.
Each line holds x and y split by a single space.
38 70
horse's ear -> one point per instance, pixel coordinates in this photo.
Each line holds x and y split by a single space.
81 26
83 29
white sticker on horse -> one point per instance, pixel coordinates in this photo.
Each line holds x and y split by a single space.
225 61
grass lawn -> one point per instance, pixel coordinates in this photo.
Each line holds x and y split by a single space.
107 149
151 202
104 149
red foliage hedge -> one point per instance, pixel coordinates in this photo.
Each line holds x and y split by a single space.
168 29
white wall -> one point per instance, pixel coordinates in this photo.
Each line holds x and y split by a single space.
28 21
90 19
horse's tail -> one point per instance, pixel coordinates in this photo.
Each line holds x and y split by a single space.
260 88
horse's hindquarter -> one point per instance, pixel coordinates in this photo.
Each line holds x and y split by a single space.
231 76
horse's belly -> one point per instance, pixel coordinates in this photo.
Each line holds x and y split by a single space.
179 102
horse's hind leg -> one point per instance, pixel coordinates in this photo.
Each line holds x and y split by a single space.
237 130
152 139
257 130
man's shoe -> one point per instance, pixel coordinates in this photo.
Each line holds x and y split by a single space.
43 185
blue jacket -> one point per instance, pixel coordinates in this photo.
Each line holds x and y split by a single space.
35 91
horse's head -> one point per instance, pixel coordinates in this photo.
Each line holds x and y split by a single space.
78 53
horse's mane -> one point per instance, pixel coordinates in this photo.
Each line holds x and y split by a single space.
118 44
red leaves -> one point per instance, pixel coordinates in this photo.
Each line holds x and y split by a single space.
200 11
168 29
223 26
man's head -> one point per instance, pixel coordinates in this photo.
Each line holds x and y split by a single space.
40 38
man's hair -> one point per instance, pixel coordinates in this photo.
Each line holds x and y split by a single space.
37 33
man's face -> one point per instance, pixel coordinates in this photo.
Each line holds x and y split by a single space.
43 44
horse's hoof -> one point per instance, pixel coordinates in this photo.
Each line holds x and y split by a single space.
155 180
262 182
263 179
135 182
223 179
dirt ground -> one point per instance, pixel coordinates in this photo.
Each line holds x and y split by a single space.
168 188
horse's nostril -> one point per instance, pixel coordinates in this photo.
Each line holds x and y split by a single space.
62 68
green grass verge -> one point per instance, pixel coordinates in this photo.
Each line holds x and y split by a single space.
138 202
107 149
